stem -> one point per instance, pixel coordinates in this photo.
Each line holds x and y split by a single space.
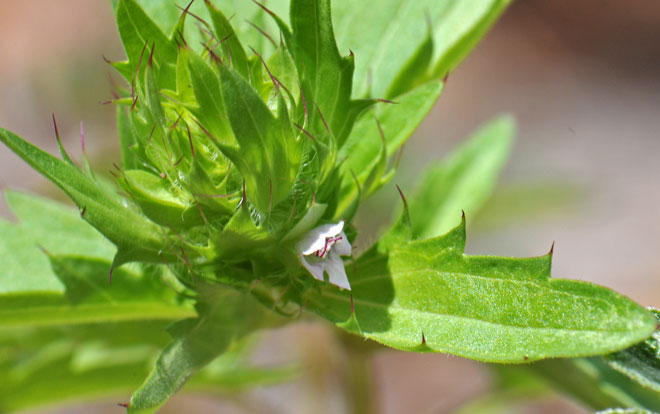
592 382
359 384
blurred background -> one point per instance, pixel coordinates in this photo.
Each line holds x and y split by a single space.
582 80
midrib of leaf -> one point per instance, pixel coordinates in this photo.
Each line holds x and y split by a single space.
396 307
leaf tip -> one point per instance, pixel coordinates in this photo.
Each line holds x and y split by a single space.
405 203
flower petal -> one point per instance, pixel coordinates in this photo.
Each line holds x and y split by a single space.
342 247
315 269
315 239
336 272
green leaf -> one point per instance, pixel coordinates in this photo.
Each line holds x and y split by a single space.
641 362
361 149
206 86
55 365
134 235
414 71
326 77
197 342
48 365
231 45
428 296
26 270
56 227
91 298
137 30
72 288
127 139
463 181
157 201
270 153
397 31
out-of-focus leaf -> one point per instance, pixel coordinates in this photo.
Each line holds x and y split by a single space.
89 297
398 29
463 181
595 384
641 362
56 227
134 235
427 296
398 122
222 318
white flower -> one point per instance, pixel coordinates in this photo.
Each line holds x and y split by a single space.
319 252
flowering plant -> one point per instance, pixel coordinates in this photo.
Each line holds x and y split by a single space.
246 150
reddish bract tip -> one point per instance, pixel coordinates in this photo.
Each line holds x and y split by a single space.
192 147
380 129
260 30
199 208
82 136
386 101
352 305
405 203
423 339
177 122
325 124
150 62
185 257
403 197
305 132
83 211
264 8
57 132
276 82
304 102
137 71
552 249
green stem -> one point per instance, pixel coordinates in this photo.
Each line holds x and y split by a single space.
359 384
592 382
